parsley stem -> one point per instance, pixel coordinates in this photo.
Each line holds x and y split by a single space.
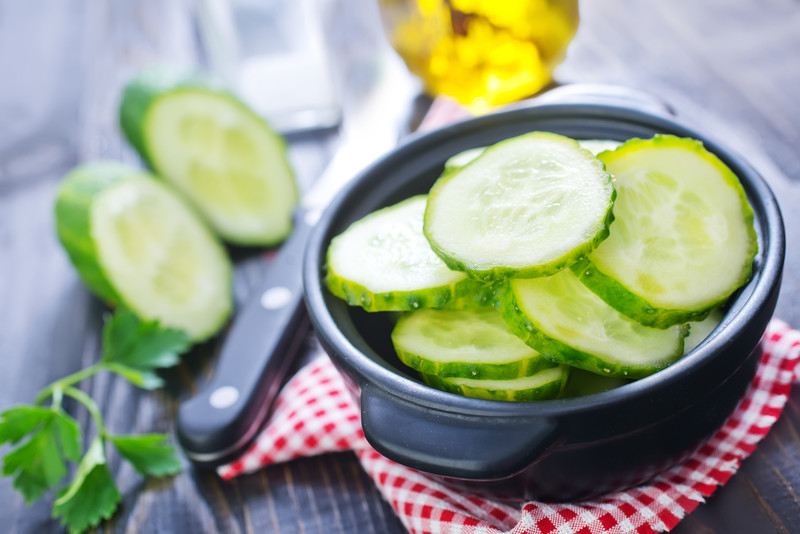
63 383
90 405
58 395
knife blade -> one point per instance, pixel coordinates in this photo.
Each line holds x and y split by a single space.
221 421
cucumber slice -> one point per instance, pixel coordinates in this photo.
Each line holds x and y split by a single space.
383 262
595 146
528 206
683 239
462 158
700 330
217 152
546 384
475 344
581 383
567 323
135 243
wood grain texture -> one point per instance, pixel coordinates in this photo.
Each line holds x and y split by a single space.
732 68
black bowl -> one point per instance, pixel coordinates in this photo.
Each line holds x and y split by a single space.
555 450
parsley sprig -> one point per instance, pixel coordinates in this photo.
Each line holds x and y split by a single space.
133 349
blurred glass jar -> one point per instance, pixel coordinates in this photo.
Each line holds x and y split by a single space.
481 52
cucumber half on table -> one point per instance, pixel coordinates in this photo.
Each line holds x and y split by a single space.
527 206
216 151
136 244
383 262
682 240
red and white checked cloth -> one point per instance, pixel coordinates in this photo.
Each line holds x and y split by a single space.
314 414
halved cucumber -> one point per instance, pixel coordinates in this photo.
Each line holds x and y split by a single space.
567 323
683 239
474 344
383 262
218 153
546 384
135 243
527 206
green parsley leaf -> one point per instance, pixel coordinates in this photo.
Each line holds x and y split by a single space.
38 464
150 454
91 496
43 439
134 349
69 435
17 422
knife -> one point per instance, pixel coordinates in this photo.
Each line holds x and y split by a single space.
220 422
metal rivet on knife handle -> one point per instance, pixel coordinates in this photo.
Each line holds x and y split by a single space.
223 397
275 297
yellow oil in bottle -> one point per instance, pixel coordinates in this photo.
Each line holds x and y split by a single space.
481 52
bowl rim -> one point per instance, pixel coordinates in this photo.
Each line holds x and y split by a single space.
759 291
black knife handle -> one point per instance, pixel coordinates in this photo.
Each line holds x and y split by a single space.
223 420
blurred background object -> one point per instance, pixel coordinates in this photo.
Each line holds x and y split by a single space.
481 52
273 53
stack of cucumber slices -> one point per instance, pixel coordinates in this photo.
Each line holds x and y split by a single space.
541 262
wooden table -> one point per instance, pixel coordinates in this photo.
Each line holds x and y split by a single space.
733 68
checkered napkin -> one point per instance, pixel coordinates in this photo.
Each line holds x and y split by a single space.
315 414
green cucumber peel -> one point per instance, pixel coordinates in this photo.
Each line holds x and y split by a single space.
464 294
479 371
544 385
72 214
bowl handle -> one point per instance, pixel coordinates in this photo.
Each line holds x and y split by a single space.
481 447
